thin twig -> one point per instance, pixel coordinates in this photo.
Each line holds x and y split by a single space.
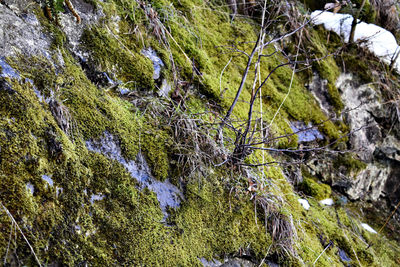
330 243
16 224
387 220
9 242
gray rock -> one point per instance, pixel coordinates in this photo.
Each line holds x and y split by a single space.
380 151
157 62
361 101
211 263
73 30
319 90
20 31
305 133
370 182
238 262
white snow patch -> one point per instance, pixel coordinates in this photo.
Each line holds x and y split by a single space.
304 203
327 202
368 228
379 41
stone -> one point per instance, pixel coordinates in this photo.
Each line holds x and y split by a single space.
361 101
21 34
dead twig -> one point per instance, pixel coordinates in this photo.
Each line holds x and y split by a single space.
26 240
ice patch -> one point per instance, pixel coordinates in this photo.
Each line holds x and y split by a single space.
168 195
157 62
305 133
379 41
304 203
327 202
368 228
48 179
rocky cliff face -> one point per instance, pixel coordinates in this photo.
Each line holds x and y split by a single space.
109 153
374 141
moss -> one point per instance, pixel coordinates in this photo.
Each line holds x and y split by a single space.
327 68
94 112
350 162
127 227
368 14
131 67
317 190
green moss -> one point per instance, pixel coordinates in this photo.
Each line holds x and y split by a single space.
368 14
327 68
315 189
94 112
130 65
127 227
350 162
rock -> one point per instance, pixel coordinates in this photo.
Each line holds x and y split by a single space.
21 34
305 133
361 101
319 90
390 149
238 262
369 183
157 62
379 151
73 30
211 263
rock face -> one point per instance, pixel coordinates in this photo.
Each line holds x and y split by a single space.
20 31
101 165
371 140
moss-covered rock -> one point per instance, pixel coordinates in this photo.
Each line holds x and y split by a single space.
315 189
93 212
